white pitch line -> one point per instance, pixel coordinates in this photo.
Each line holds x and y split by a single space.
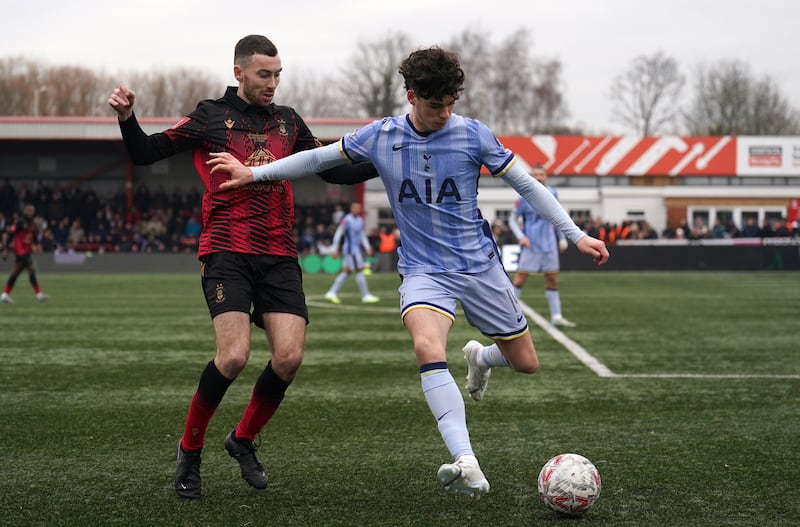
319 301
601 370
573 347
706 376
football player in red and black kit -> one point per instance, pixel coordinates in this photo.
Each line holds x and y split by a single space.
23 240
247 249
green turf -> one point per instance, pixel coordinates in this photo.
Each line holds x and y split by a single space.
95 383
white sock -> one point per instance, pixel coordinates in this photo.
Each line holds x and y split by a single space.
338 283
361 280
554 301
447 406
492 357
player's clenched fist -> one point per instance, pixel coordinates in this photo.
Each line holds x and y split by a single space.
121 101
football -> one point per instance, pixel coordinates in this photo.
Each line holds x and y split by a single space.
569 484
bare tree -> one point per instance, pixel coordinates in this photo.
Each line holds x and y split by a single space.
507 88
771 112
371 79
646 97
193 85
70 91
32 88
19 83
171 93
311 94
720 100
551 109
473 46
527 90
729 101
513 85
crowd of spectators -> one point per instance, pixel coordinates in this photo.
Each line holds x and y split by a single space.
608 232
74 219
700 230
77 219
641 229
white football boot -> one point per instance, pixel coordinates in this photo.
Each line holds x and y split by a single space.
477 378
560 321
464 477
332 298
370 299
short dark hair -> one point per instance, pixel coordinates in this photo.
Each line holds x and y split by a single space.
433 73
253 45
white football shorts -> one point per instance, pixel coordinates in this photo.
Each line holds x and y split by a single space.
487 298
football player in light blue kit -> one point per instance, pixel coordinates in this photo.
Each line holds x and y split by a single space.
429 162
540 245
350 235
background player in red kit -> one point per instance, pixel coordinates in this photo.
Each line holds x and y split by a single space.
247 248
24 242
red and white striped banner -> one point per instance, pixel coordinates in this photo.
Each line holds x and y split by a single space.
628 156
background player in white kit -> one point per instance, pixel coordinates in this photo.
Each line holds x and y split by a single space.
429 161
540 245
352 239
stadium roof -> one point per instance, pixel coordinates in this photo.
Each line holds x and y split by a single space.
106 128
561 155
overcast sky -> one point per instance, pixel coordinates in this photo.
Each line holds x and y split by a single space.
595 40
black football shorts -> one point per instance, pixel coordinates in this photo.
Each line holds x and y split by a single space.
24 260
252 283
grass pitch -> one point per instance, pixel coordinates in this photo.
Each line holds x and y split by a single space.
697 425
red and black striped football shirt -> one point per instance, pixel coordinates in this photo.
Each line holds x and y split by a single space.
24 232
255 219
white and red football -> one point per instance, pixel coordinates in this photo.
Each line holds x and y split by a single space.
569 484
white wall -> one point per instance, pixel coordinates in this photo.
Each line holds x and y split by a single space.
612 204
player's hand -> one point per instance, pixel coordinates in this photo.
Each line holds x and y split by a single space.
121 101
335 255
225 162
525 242
594 248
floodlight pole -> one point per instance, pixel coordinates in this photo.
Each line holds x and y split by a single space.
36 92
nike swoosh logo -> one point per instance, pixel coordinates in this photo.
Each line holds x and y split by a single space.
519 318
183 486
398 147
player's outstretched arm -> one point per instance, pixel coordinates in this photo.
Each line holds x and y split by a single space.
548 206
295 166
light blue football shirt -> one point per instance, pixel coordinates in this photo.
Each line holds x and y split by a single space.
538 229
351 229
431 181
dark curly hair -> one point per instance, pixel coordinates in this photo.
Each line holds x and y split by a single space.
433 73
